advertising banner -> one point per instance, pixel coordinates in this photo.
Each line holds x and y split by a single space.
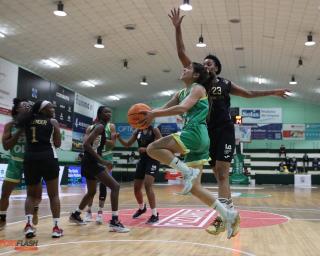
261 115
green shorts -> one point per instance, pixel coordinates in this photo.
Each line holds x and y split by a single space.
14 171
195 143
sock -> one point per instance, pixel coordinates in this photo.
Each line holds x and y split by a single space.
3 215
55 221
230 204
29 218
115 215
179 165
154 211
141 206
217 205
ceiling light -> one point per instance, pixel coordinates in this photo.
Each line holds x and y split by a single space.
125 64
50 63
260 80
186 6
113 97
88 83
99 43
309 41
293 81
2 35
144 81
60 12
201 44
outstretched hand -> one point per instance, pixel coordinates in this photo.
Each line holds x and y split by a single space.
283 93
175 17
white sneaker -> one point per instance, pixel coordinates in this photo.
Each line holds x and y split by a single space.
99 218
117 226
189 180
232 223
88 217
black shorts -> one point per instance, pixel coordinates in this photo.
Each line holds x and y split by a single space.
90 168
35 170
146 165
222 143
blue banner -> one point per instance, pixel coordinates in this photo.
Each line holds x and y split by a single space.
74 175
312 132
80 124
266 131
124 129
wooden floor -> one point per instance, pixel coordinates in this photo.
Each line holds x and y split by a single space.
276 220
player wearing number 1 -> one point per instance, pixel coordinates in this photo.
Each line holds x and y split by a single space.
41 162
13 139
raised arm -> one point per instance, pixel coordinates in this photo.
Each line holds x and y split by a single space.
128 143
176 21
242 92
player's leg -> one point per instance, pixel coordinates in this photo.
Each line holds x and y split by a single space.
137 187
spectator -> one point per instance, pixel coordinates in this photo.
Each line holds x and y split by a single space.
282 151
305 162
281 166
287 163
132 157
79 157
293 164
315 164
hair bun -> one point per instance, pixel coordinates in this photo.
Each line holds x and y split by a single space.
16 101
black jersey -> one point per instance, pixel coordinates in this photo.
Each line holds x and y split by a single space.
219 103
145 137
99 142
39 134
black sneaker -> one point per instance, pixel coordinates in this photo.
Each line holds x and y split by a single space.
76 218
153 219
117 226
3 221
139 212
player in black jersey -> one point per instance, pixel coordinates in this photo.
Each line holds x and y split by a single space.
146 170
94 168
40 161
220 125
13 139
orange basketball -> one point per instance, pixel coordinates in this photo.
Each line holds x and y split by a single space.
134 117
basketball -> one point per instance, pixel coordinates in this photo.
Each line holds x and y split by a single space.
134 117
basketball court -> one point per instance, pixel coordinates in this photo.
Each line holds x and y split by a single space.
275 220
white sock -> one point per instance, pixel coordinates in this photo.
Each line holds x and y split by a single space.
230 204
220 208
29 218
154 211
55 221
141 206
78 210
115 213
176 163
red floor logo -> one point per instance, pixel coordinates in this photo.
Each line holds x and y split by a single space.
197 218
